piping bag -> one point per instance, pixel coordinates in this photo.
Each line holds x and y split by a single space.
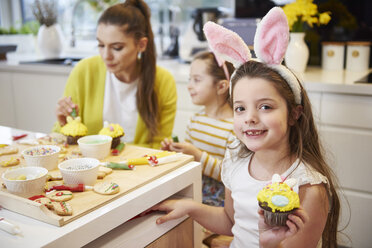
9 227
151 159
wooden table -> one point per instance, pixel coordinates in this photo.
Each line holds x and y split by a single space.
108 226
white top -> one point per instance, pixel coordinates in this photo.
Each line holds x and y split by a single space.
244 189
120 105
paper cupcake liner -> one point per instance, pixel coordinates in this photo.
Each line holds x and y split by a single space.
115 142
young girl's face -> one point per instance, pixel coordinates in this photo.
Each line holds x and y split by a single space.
260 115
201 86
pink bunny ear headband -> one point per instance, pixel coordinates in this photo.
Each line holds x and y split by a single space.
270 44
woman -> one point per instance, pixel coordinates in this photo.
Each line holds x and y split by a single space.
123 85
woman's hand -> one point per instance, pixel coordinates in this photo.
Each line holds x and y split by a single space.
272 236
64 109
187 148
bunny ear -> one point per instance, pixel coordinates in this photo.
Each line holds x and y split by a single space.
272 35
226 44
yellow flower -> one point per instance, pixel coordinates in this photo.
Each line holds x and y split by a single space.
304 11
324 18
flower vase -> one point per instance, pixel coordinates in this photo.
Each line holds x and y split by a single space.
50 41
297 54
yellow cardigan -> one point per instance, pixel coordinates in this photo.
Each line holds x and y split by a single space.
86 86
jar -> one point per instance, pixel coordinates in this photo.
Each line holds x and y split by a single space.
357 55
333 53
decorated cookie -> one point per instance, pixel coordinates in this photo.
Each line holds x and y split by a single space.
60 196
49 185
8 150
62 208
106 188
54 175
46 201
9 161
101 175
104 169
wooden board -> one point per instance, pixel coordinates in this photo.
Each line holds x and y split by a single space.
85 202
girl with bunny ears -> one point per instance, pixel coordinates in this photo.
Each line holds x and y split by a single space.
276 134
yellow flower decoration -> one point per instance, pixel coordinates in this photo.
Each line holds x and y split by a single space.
303 12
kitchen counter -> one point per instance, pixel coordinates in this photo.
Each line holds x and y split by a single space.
109 225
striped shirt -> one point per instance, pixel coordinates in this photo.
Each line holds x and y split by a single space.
211 136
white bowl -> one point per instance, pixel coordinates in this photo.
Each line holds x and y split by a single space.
95 146
79 170
33 185
42 156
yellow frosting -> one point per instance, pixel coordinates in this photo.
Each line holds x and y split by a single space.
113 130
279 192
74 127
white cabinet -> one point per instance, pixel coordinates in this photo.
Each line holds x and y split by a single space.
7 115
29 95
346 132
35 98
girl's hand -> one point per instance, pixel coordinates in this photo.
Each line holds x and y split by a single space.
187 148
165 144
272 236
175 209
64 109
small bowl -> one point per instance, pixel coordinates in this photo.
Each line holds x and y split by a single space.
33 184
95 146
79 170
42 156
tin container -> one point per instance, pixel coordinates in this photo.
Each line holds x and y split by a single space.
357 55
333 55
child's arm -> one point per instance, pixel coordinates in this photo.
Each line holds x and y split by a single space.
187 148
306 225
215 219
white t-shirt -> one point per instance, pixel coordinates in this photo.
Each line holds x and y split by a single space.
244 189
119 105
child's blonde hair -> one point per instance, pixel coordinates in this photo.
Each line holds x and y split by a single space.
303 138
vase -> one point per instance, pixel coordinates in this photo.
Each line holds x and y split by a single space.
50 41
297 54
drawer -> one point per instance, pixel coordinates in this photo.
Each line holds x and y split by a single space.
346 110
349 151
357 210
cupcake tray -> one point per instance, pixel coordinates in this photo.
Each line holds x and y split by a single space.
85 202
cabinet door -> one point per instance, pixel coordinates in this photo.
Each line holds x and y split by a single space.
7 115
36 97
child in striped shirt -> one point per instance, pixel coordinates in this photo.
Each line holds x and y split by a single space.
209 131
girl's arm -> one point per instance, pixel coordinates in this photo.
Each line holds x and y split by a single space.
306 225
215 219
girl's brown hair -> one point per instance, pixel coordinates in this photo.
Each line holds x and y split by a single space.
133 16
303 139
213 69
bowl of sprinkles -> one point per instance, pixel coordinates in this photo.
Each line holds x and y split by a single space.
79 171
42 156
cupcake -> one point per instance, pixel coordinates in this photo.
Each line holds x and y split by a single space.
278 200
74 130
113 130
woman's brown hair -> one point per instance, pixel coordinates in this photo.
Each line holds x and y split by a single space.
134 17
303 139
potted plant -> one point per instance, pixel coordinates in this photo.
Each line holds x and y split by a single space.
23 38
49 37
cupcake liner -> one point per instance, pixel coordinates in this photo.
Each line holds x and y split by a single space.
276 219
73 140
115 142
